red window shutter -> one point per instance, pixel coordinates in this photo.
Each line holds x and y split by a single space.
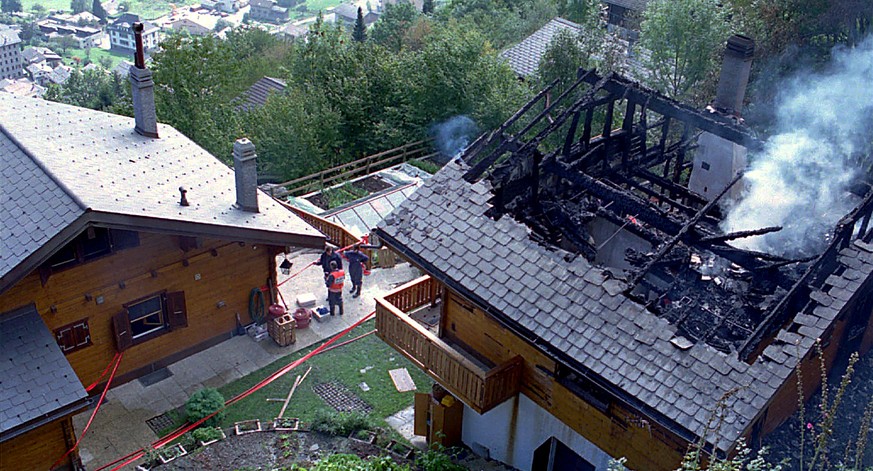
177 313
123 337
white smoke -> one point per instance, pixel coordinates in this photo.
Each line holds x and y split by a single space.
800 179
453 135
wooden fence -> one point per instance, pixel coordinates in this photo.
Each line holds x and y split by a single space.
364 166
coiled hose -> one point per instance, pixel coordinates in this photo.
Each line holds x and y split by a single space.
257 306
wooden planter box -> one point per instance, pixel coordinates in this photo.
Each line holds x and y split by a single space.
371 436
172 453
247 426
286 424
400 449
210 442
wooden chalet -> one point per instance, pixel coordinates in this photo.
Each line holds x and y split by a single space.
102 253
565 258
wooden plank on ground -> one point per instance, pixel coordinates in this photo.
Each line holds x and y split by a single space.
402 381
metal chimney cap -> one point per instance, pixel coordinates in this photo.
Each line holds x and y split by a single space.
137 27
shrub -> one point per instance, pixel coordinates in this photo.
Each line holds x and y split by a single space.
202 404
437 459
207 434
340 423
425 165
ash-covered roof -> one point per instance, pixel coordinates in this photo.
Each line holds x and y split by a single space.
524 57
88 167
583 316
37 381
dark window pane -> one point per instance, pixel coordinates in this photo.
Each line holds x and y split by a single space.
95 243
146 316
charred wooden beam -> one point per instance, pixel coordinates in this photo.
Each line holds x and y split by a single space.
482 142
626 202
740 234
784 263
660 196
571 134
669 185
476 171
675 239
668 107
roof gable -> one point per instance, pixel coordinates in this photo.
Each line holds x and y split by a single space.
524 57
119 179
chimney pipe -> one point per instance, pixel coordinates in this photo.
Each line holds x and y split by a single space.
734 74
246 171
142 90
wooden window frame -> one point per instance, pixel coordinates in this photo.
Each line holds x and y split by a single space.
174 315
117 240
80 339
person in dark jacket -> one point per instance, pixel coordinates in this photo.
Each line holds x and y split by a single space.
326 257
357 260
335 280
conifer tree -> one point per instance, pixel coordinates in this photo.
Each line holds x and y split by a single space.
97 10
359 34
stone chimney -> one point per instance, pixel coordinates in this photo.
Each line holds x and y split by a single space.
734 77
143 90
717 161
246 170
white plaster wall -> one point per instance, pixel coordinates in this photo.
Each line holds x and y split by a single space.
513 430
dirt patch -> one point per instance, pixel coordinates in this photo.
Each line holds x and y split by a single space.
272 450
372 184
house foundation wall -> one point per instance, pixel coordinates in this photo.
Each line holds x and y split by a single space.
512 431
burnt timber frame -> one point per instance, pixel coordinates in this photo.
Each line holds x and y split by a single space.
636 170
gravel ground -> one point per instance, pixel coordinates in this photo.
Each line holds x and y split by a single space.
784 442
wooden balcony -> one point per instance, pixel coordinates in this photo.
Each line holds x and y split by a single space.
478 387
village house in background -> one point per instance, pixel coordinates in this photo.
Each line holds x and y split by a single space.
121 37
347 14
419 4
83 28
227 6
121 235
268 11
11 63
582 303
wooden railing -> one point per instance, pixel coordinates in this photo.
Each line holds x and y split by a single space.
478 388
336 234
371 163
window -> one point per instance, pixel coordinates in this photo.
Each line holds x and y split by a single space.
75 336
149 317
92 244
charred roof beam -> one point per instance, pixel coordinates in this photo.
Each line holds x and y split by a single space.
687 227
669 107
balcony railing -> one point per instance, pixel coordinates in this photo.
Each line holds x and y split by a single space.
477 387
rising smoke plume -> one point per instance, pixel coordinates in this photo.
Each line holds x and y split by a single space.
453 135
822 144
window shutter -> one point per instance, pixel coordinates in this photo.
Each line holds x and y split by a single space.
177 314
123 337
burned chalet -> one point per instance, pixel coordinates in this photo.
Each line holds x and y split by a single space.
588 304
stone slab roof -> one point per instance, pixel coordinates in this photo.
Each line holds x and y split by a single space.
524 57
8 36
119 179
37 381
256 96
580 316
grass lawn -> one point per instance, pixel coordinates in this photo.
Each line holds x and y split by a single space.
343 364
315 5
96 54
149 9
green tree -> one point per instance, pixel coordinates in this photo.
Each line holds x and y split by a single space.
98 10
10 6
92 89
682 40
78 6
427 7
222 24
393 25
359 33
105 62
66 42
37 9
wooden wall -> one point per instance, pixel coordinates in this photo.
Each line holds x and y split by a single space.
37 449
619 432
155 265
